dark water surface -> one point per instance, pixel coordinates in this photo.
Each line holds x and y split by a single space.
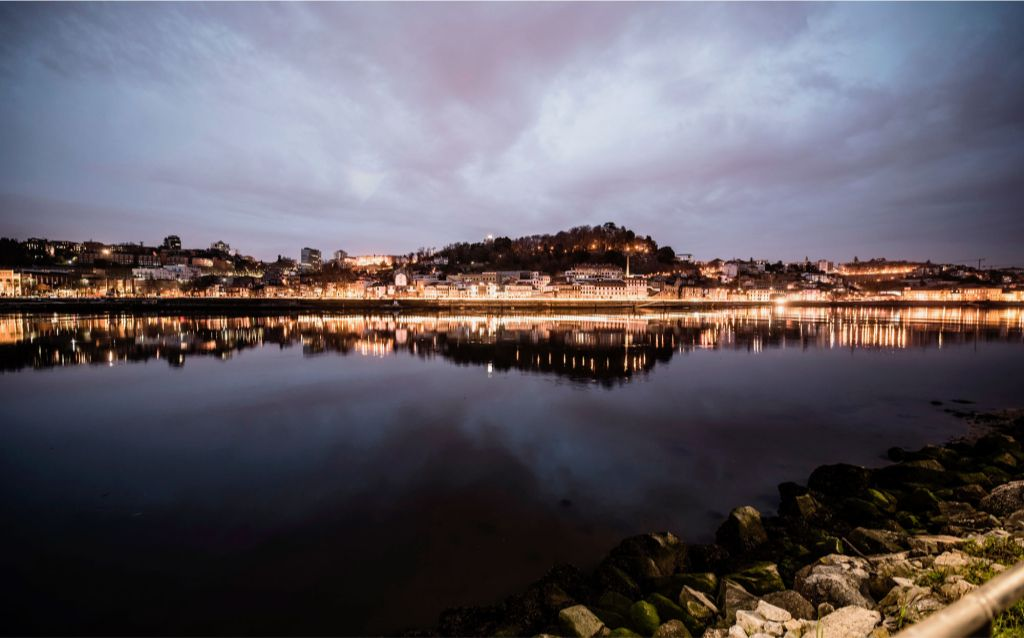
357 474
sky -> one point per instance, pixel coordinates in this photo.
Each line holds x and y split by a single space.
723 130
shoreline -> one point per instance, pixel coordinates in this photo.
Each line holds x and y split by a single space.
854 551
242 305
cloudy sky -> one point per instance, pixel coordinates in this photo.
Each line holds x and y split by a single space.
725 130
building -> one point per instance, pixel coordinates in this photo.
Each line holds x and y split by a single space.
172 242
340 256
220 246
311 259
10 283
595 272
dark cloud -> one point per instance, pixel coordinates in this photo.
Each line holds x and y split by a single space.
722 129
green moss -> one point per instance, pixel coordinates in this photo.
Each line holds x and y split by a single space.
1000 550
932 578
624 633
644 618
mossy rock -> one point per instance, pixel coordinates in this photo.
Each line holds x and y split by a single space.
828 545
611 617
667 609
624 632
644 618
861 512
909 521
615 579
615 601
921 501
880 499
704 582
759 579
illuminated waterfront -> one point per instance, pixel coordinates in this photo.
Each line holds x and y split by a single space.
317 473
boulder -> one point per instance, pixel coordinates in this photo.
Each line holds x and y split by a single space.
644 618
733 597
792 602
878 541
750 622
706 582
958 518
848 621
771 612
971 493
672 629
648 555
1005 499
910 603
742 531
839 480
579 621
697 605
920 500
667 609
836 579
760 578
624 632
933 543
919 472
615 601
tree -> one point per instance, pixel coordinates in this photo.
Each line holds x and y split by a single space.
665 255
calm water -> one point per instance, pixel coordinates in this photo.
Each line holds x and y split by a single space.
353 474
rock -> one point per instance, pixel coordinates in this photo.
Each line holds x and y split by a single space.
648 555
954 591
1005 499
737 632
836 579
749 621
579 621
839 480
932 544
615 601
716 632
848 621
697 605
644 617
953 560
920 500
614 578
958 518
672 629
792 602
877 541
624 632
732 598
742 531
858 511
919 472
824 609
972 493
667 609
1015 521
760 578
911 604
706 582
771 612
773 628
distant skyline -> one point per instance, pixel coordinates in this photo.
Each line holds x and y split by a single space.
722 130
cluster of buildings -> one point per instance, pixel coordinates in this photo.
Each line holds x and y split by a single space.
44 268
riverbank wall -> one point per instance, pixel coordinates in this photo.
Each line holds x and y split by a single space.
205 305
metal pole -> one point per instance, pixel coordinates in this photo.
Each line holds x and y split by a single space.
972 615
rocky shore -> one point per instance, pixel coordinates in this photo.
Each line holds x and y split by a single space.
854 552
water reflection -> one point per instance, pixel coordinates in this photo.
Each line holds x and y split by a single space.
608 349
